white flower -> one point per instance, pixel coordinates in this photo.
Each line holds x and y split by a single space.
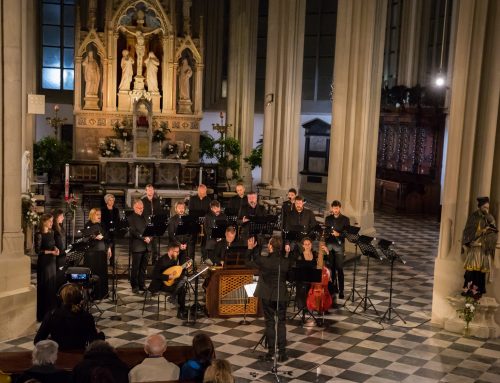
468 305
472 308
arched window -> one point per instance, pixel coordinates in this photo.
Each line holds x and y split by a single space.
58 44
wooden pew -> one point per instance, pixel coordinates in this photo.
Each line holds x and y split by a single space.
19 361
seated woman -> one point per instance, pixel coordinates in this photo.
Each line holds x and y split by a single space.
307 258
70 326
204 352
43 369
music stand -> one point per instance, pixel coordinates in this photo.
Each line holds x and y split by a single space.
305 275
261 225
195 304
160 223
219 231
249 292
352 235
232 216
367 249
186 229
385 246
235 256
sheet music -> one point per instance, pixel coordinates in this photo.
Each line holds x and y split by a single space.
250 289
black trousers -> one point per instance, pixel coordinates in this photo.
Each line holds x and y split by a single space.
337 262
269 308
178 290
138 272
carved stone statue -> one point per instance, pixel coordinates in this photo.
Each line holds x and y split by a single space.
140 47
26 171
152 64
127 70
185 72
92 74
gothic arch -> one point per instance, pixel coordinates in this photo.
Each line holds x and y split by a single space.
165 23
92 38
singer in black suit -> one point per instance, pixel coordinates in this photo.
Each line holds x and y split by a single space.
152 206
211 221
96 257
273 269
239 201
184 240
288 206
337 224
110 218
198 206
139 246
252 209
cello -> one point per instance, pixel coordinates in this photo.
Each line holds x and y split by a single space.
319 298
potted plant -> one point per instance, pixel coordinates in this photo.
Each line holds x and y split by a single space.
226 151
50 155
255 157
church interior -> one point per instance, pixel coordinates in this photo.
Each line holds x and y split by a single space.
388 106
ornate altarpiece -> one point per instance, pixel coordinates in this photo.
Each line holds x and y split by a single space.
168 87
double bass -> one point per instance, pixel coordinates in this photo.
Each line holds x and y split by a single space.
319 298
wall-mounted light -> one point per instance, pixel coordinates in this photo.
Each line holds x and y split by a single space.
269 99
224 89
440 79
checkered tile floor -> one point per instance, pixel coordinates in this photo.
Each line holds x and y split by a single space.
351 347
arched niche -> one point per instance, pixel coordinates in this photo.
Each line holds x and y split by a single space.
142 120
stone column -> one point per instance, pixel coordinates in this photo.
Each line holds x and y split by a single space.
470 166
198 89
17 295
168 79
357 77
409 43
78 84
243 21
283 92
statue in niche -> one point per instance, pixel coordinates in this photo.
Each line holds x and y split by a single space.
140 47
127 70
152 64
92 74
479 240
184 72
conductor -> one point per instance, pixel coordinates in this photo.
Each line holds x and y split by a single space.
271 289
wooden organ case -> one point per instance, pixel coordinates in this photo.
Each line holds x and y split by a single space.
409 160
225 292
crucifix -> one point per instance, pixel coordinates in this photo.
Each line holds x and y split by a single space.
139 32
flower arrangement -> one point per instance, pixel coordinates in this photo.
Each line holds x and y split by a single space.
109 148
160 134
184 154
169 149
471 301
123 130
30 216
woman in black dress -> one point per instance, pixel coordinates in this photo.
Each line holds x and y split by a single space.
45 247
110 219
96 257
59 238
307 258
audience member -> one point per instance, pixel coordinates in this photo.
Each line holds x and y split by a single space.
155 367
204 352
218 372
43 369
100 364
69 325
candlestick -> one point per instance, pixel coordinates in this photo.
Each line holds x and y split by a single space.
137 176
66 182
200 180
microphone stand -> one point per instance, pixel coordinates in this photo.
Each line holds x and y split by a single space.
274 369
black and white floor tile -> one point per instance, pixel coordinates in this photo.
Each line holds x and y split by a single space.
351 346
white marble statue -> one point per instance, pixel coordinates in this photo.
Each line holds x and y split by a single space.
27 172
152 64
92 74
185 72
127 71
140 47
